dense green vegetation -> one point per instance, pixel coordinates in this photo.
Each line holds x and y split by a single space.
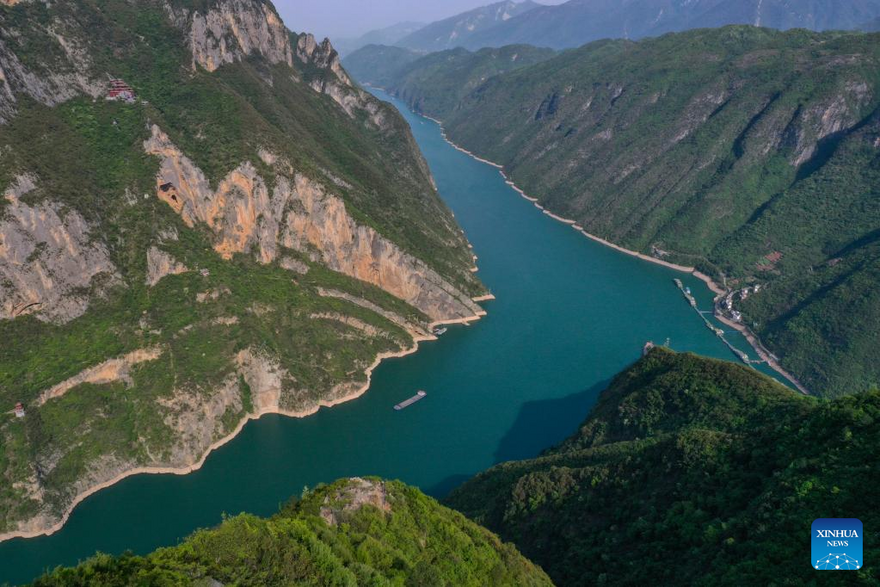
434 84
690 471
748 153
87 155
353 532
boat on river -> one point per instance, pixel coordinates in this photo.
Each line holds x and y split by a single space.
406 403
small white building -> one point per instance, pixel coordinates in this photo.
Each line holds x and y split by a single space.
19 410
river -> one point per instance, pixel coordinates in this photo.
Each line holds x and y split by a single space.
569 314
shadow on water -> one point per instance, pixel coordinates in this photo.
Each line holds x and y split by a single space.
442 489
542 424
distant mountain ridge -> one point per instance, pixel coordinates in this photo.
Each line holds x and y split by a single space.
435 83
385 36
580 21
457 30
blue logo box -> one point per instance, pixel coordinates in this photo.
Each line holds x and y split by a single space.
837 544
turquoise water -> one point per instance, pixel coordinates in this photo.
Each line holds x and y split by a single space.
570 314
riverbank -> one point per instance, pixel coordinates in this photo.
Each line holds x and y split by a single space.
717 289
368 372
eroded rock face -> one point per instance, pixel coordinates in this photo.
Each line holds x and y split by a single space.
47 258
234 29
160 264
298 214
118 369
840 112
327 76
73 76
351 498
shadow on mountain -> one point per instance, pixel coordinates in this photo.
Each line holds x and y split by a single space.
442 489
545 423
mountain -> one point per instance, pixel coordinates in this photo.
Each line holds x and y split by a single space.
458 30
435 83
577 22
747 153
385 36
688 471
353 532
228 228
378 65
872 26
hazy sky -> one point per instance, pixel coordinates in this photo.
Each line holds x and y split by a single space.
351 18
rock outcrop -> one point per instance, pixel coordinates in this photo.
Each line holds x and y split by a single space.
47 258
232 30
161 264
109 371
73 75
298 214
325 74
352 497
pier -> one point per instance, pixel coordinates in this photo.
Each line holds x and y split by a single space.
741 355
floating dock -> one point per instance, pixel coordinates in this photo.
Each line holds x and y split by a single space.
718 332
406 403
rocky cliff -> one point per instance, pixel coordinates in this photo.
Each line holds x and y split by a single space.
299 215
228 228
48 258
233 30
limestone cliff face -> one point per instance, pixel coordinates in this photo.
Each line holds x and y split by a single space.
298 214
71 75
47 258
838 112
160 264
325 74
234 29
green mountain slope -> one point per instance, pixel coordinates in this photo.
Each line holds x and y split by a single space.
573 23
353 532
434 84
378 65
246 235
384 36
748 153
689 471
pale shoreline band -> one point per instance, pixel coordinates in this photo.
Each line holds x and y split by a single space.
753 341
253 416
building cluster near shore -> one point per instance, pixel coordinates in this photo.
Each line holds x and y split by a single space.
726 304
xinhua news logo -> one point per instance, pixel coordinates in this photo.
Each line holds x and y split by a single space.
837 544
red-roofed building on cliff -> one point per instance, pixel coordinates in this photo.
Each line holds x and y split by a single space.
119 90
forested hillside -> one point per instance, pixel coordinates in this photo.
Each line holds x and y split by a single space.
750 154
353 532
435 83
690 471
